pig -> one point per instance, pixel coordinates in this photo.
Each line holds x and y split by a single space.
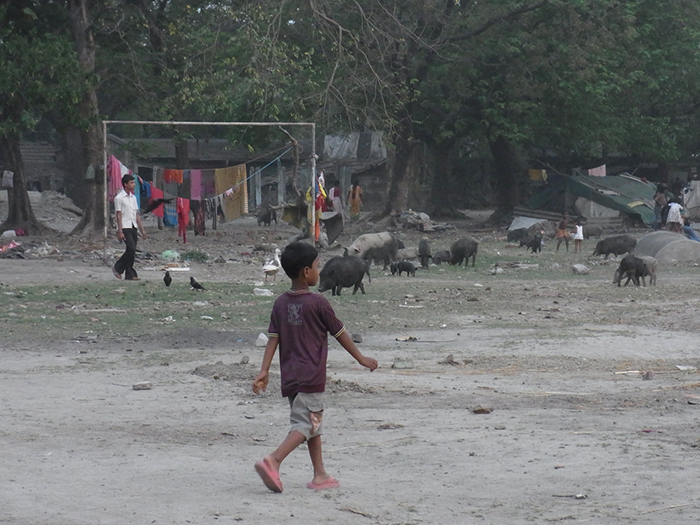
651 264
517 235
463 249
424 253
616 245
407 254
343 272
533 243
441 256
266 214
403 266
383 246
589 230
633 268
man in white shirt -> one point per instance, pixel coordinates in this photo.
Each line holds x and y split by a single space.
128 225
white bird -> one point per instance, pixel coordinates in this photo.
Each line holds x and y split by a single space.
272 266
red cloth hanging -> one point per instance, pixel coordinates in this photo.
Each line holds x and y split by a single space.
183 218
157 194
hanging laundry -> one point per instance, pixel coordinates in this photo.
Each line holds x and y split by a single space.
114 177
195 185
157 194
145 190
232 183
137 190
183 218
172 176
170 215
208 184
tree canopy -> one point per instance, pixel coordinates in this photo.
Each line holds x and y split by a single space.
514 83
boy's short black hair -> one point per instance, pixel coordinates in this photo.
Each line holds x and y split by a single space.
297 256
127 178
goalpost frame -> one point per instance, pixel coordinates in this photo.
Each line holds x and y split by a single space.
105 123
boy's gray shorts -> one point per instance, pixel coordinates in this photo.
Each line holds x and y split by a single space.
302 406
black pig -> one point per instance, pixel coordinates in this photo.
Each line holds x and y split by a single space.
343 272
441 256
424 253
616 245
403 266
633 268
266 214
533 243
463 249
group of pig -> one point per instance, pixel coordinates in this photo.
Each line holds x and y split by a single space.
384 248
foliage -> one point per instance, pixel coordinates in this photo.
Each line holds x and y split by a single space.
194 255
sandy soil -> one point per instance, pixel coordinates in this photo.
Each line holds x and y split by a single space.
568 437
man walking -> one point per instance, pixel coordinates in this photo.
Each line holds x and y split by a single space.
128 226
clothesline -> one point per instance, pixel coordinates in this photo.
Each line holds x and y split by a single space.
124 169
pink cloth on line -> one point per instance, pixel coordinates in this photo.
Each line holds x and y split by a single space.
195 185
114 177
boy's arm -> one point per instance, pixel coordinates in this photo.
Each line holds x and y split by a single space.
118 219
346 342
260 382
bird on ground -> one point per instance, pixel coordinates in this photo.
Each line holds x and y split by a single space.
154 204
194 284
272 266
167 279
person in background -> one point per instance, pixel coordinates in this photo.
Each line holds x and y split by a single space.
660 201
355 200
562 234
674 220
128 225
578 236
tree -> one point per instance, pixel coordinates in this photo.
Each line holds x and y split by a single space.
36 77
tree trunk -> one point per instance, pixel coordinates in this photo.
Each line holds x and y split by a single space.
403 143
91 135
508 171
20 213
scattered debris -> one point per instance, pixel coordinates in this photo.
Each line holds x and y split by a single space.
407 338
481 410
684 368
389 426
143 385
261 340
356 338
449 360
263 292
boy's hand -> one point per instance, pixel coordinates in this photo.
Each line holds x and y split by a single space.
260 382
368 362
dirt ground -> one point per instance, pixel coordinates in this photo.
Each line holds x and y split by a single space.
573 432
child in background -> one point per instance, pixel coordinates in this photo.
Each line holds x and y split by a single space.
578 236
299 325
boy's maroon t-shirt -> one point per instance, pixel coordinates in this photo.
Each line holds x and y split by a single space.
302 321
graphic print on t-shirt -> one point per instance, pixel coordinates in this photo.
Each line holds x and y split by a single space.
294 314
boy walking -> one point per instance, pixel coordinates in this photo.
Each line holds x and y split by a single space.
299 325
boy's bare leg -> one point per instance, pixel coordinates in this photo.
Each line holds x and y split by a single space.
292 441
320 475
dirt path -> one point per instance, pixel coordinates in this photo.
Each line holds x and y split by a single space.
568 437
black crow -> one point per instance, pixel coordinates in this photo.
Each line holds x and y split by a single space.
167 279
154 204
194 284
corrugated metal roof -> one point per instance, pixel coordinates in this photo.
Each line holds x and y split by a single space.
625 193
